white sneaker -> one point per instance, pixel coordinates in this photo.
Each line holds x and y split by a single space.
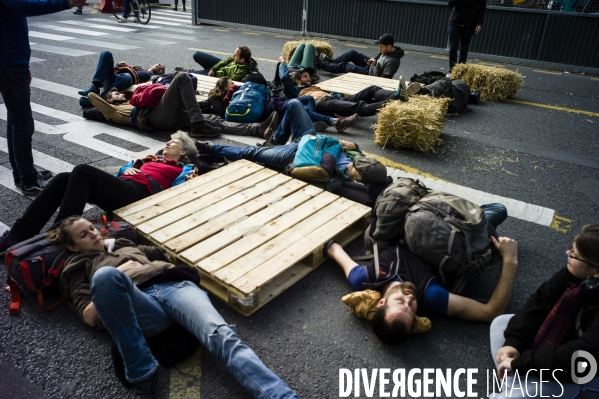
123 20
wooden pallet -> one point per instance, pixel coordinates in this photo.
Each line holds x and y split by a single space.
250 231
351 83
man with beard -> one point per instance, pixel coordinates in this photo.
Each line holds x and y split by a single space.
416 288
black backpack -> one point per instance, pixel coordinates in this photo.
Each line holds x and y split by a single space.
36 263
427 78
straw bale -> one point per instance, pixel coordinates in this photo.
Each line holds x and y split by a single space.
495 83
319 46
416 124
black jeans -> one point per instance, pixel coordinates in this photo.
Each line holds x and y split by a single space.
366 103
71 191
461 35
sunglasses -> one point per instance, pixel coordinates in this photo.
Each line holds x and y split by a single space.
578 259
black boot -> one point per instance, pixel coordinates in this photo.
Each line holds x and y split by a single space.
147 388
474 97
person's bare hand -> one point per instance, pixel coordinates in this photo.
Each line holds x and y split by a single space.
507 247
347 146
76 3
129 265
282 59
131 171
211 73
505 367
371 61
478 29
506 352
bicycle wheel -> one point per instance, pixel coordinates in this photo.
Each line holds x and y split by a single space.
143 11
117 8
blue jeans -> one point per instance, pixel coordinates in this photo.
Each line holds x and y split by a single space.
14 87
530 386
207 61
105 76
129 314
310 106
461 35
495 213
351 61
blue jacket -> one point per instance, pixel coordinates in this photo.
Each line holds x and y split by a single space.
14 34
289 88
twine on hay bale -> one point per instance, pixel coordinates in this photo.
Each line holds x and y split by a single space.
319 46
416 124
495 83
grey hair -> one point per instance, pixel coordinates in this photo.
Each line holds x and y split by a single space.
188 144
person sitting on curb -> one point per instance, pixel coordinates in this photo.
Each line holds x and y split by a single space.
235 67
417 288
121 76
365 103
134 291
170 115
385 64
558 321
68 192
276 154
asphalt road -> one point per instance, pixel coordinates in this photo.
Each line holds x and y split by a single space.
527 153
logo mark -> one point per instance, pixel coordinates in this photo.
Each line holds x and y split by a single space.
583 366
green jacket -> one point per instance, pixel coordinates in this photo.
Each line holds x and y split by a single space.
235 71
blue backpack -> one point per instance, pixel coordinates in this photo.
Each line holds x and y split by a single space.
315 158
247 104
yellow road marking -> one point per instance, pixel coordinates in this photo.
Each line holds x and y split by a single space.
185 378
285 37
229 54
356 45
561 224
576 111
441 57
548 72
409 169
491 64
95 8
594 78
251 33
221 30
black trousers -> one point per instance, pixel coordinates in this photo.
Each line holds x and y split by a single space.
365 102
71 191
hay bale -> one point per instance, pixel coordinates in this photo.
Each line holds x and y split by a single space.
319 46
416 124
495 83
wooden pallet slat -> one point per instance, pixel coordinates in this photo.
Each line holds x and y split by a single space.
200 233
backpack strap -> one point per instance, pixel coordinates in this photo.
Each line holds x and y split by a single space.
15 291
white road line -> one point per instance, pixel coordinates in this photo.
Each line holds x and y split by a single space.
71 52
103 45
517 209
137 26
49 36
66 29
166 23
3 228
54 113
111 28
82 132
55 88
35 59
180 20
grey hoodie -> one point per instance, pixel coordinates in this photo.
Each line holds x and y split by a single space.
387 64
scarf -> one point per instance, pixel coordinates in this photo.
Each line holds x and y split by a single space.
559 322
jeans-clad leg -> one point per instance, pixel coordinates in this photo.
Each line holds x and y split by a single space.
122 307
352 56
105 76
14 87
295 124
190 307
465 38
458 38
277 157
351 61
310 106
495 213
206 61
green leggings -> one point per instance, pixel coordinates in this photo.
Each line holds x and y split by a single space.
304 56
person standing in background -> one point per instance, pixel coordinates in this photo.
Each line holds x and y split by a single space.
466 19
15 78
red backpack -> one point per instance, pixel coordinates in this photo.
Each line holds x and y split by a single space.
36 263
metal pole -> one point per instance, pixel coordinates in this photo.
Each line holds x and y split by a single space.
305 18
194 12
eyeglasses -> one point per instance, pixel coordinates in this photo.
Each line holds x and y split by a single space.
570 250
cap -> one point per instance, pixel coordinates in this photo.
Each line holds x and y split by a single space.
386 39
370 170
306 69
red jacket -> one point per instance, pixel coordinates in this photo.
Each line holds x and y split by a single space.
147 96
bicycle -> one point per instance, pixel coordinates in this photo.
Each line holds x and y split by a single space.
140 9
